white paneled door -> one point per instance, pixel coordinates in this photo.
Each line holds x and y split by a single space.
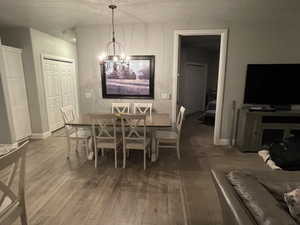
194 92
17 93
60 85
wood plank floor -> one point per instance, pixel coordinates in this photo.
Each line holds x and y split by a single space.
169 192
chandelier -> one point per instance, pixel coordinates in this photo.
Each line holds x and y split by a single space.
114 49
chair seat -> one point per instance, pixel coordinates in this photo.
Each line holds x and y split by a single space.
166 135
81 133
134 144
107 143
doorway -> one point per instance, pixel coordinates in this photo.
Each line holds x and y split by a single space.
199 74
192 88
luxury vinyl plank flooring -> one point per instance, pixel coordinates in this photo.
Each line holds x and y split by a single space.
169 192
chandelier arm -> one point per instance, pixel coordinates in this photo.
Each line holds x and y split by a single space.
118 48
108 45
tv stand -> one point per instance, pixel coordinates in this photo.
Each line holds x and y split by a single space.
261 109
252 125
282 107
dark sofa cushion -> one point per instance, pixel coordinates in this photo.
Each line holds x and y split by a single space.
263 206
278 183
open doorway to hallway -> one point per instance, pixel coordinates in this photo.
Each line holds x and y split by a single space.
197 84
223 33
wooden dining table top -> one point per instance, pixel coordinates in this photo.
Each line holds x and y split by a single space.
158 120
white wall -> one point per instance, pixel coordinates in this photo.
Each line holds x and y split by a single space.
269 43
7 135
5 124
139 39
43 43
201 56
34 43
248 43
19 37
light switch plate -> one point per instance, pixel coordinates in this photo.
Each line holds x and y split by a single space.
165 96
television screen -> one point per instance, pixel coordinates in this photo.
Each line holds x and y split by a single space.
272 84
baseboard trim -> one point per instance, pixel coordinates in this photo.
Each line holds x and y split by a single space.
41 135
223 142
15 145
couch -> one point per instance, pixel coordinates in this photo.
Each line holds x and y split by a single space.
269 186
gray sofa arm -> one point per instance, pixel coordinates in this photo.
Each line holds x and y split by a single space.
233 210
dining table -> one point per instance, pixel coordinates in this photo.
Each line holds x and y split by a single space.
156 121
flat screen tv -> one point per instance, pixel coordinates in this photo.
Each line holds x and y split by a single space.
272 84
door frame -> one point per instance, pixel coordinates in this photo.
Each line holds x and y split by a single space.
223 33
205 74
75 84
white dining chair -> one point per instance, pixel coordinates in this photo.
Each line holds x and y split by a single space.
12 203
105 134
170 138
120 108
134 135
143 108
74 133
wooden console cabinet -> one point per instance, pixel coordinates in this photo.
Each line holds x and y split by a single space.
251 126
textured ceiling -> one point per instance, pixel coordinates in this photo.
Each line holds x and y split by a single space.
54 16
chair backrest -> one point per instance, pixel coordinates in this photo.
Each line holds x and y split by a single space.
13 161
180 118
134 127
104 127
68 113
142 108
120 107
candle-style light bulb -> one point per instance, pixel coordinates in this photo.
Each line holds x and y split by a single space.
102 57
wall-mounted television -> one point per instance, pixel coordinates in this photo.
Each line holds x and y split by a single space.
272 84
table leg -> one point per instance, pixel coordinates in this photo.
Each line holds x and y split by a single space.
91 147
153 147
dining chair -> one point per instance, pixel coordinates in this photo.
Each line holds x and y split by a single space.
134 135
105 134
74 133
143 108
12 203
170 138
120 108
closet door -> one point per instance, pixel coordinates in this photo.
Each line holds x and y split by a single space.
17 92
67 84
59 77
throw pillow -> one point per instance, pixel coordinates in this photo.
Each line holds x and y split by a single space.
292 200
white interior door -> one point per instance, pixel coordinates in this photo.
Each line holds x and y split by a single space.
60 83
67 81
194 92
17 93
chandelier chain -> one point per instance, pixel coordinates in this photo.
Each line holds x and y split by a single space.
113 27
117 58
